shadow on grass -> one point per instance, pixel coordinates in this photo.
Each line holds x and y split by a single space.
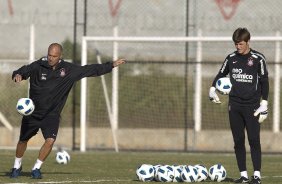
226 180
28 174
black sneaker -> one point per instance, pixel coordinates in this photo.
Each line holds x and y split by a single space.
242 179
255 180
15 172
36 174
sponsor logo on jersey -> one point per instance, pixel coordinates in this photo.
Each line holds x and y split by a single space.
239 76
43 76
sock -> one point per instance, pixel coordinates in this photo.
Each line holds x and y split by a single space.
244 174
17 163
37 164
257 173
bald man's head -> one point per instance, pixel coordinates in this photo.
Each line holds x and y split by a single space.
55 52
56 46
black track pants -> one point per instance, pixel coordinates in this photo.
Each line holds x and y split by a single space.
241 118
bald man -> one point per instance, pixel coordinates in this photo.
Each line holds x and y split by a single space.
51 79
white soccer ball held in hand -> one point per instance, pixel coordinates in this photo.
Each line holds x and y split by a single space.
25 106
223 85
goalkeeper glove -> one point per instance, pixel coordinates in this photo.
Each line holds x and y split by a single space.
213 96
262 111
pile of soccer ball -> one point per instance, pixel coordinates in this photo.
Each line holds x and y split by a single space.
62 157
180 173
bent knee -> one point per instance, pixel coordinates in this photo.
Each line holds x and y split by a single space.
50 141
22 142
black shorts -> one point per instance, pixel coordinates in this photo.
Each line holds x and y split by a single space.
49 127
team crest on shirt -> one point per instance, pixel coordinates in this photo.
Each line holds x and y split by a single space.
62 72
250 61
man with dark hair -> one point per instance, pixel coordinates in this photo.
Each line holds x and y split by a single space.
247 101
51 79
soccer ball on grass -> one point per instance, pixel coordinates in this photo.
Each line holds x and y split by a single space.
189 174
165 174
62 157
177 169
25 106
156 167
217 173
223 85
202 172
145 172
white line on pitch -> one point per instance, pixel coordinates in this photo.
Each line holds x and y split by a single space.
271 176
54 182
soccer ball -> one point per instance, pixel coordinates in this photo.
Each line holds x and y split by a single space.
177 169
217 173
156 167
25 106
62 157
165 174
223 85
202 172
145 172
189 174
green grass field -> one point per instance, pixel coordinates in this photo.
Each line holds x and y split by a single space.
110 167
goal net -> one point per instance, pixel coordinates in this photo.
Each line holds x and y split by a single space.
159 98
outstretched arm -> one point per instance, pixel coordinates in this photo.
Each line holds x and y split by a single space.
94 70
118 62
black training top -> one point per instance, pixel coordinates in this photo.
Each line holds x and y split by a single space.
248 75
49 88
